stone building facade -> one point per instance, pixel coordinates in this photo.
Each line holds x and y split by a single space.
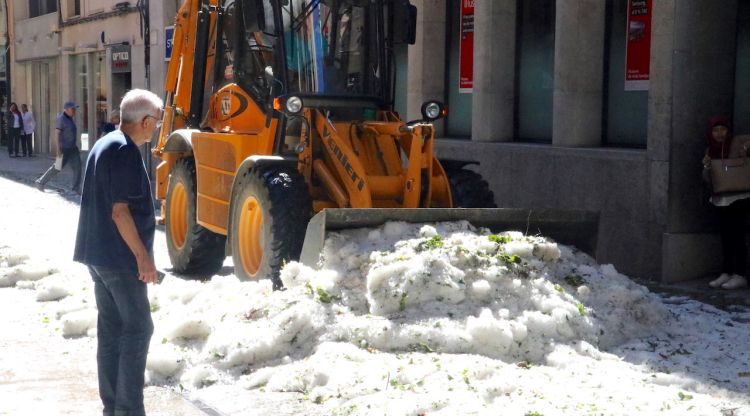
553 125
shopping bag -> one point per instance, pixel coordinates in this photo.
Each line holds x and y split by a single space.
730 175
58 162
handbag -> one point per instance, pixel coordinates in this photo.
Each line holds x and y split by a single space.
730 175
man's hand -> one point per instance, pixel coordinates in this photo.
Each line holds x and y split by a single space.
706 162
147 270
126 227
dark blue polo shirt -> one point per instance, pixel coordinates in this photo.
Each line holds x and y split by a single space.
68 131
114 173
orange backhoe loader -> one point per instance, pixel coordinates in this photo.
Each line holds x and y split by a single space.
276 110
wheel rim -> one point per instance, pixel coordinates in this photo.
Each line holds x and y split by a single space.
250 236
178 221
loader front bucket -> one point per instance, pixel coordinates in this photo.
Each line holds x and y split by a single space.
575 228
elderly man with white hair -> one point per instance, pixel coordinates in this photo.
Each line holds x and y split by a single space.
115 240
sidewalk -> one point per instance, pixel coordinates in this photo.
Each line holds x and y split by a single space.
60 378
27 169
699 290
68 384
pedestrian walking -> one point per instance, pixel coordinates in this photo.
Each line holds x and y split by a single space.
115 240
65 146
29 125
15 129
731 208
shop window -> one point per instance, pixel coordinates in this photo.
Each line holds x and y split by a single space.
458 122
742 75
535 49
625 115
41 7
100 83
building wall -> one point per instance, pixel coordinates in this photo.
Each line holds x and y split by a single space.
613 182
568 168
34 67
701 79
656 222
65 38
36 38
162 15
91 42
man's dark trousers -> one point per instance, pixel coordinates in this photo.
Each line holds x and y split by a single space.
124 331
72 157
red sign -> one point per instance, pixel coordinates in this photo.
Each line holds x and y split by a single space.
466 47
638 45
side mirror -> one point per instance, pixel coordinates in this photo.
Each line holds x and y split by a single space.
404 23
254 16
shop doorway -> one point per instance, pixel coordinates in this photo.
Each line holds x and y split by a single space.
121 84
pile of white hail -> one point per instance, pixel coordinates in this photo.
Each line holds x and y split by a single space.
432 319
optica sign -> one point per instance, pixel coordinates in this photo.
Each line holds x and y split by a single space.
120 59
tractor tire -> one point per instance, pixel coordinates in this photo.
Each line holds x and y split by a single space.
193 249
269 214
469 189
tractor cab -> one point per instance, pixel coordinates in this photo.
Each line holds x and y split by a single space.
330 47
334 55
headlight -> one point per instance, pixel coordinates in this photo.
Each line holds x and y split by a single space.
433 110
293 105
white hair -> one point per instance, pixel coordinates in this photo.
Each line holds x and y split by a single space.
137 104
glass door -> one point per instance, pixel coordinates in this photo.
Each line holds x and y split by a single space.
80 94
100 93
45 102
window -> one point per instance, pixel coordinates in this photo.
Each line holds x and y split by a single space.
333 49
535 75
458 122
41 7
242 53
625 112
741 117
226 45
255 50
74 8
